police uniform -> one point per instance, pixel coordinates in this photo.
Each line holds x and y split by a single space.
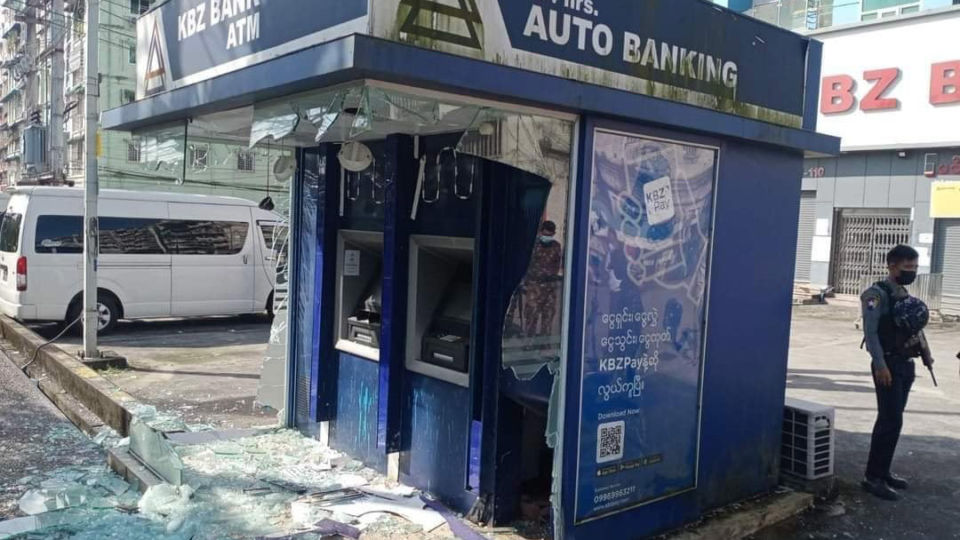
542 288
886 349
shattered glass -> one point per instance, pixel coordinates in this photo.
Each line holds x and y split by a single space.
150 448
277 484
162 152
274 121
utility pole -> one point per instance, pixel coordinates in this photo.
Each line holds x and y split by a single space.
91 185
58 26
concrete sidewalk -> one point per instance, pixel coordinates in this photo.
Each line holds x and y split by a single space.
35 437
827 366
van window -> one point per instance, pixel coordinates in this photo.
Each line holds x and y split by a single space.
142 236
59 234
204 237
118 236
130 236
10 232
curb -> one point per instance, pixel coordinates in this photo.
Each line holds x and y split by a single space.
79 415
74 379
128 468
755 517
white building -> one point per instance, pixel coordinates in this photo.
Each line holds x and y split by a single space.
891 90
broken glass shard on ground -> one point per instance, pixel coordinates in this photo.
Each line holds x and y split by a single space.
149 447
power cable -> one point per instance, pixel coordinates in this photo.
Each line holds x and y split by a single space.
36 353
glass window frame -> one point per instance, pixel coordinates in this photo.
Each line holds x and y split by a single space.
8 244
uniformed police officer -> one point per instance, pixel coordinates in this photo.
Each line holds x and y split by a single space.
893 367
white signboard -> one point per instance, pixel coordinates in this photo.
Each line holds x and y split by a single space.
892 85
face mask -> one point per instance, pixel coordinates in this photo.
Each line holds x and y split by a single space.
907 277
546 239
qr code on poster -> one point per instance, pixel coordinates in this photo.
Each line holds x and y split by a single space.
610 441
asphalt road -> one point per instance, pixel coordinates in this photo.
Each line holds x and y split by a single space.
827 366
34 436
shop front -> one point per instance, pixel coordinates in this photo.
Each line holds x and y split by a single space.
532 250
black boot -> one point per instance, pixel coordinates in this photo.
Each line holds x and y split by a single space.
879 488
896 482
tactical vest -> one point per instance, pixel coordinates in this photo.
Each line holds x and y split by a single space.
893 340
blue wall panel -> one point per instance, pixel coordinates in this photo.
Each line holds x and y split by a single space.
354 430
436 439
747 337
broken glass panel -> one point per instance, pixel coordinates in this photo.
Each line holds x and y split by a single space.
151 449
163 151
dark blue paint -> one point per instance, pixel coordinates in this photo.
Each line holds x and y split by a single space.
358 57
307 259
811 108
698 26
401 181
281 21
325 287
354 429
743 387
476 443
364 214
436 439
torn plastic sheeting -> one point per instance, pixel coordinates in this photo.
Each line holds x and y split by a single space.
149 447
412 510
165 500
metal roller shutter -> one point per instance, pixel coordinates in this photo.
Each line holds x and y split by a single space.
947 262
862 238
808 219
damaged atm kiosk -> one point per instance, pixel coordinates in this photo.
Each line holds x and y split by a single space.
519 232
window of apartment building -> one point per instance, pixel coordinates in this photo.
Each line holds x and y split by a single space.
872 10
139 7
133 151
245 161
132 54
199 156
127 96
76 157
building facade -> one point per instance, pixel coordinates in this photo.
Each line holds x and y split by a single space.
807 15
30 34
895 182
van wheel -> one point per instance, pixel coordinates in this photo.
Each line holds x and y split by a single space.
270 312
108 313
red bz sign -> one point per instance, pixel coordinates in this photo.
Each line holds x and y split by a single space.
838 92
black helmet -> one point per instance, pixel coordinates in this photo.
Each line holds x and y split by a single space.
911 315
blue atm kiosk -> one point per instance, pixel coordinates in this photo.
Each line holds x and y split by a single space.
639 161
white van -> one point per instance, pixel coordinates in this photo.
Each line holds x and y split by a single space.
161 255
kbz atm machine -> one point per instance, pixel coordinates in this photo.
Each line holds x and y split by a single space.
425 270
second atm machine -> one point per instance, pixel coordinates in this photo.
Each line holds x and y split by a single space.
429 298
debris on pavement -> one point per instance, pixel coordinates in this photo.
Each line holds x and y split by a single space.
273 484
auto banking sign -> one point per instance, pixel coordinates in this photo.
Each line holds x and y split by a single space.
687 51
182 42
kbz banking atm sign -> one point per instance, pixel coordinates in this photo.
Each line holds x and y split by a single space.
183 42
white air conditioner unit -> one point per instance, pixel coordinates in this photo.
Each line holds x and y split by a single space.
807 450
